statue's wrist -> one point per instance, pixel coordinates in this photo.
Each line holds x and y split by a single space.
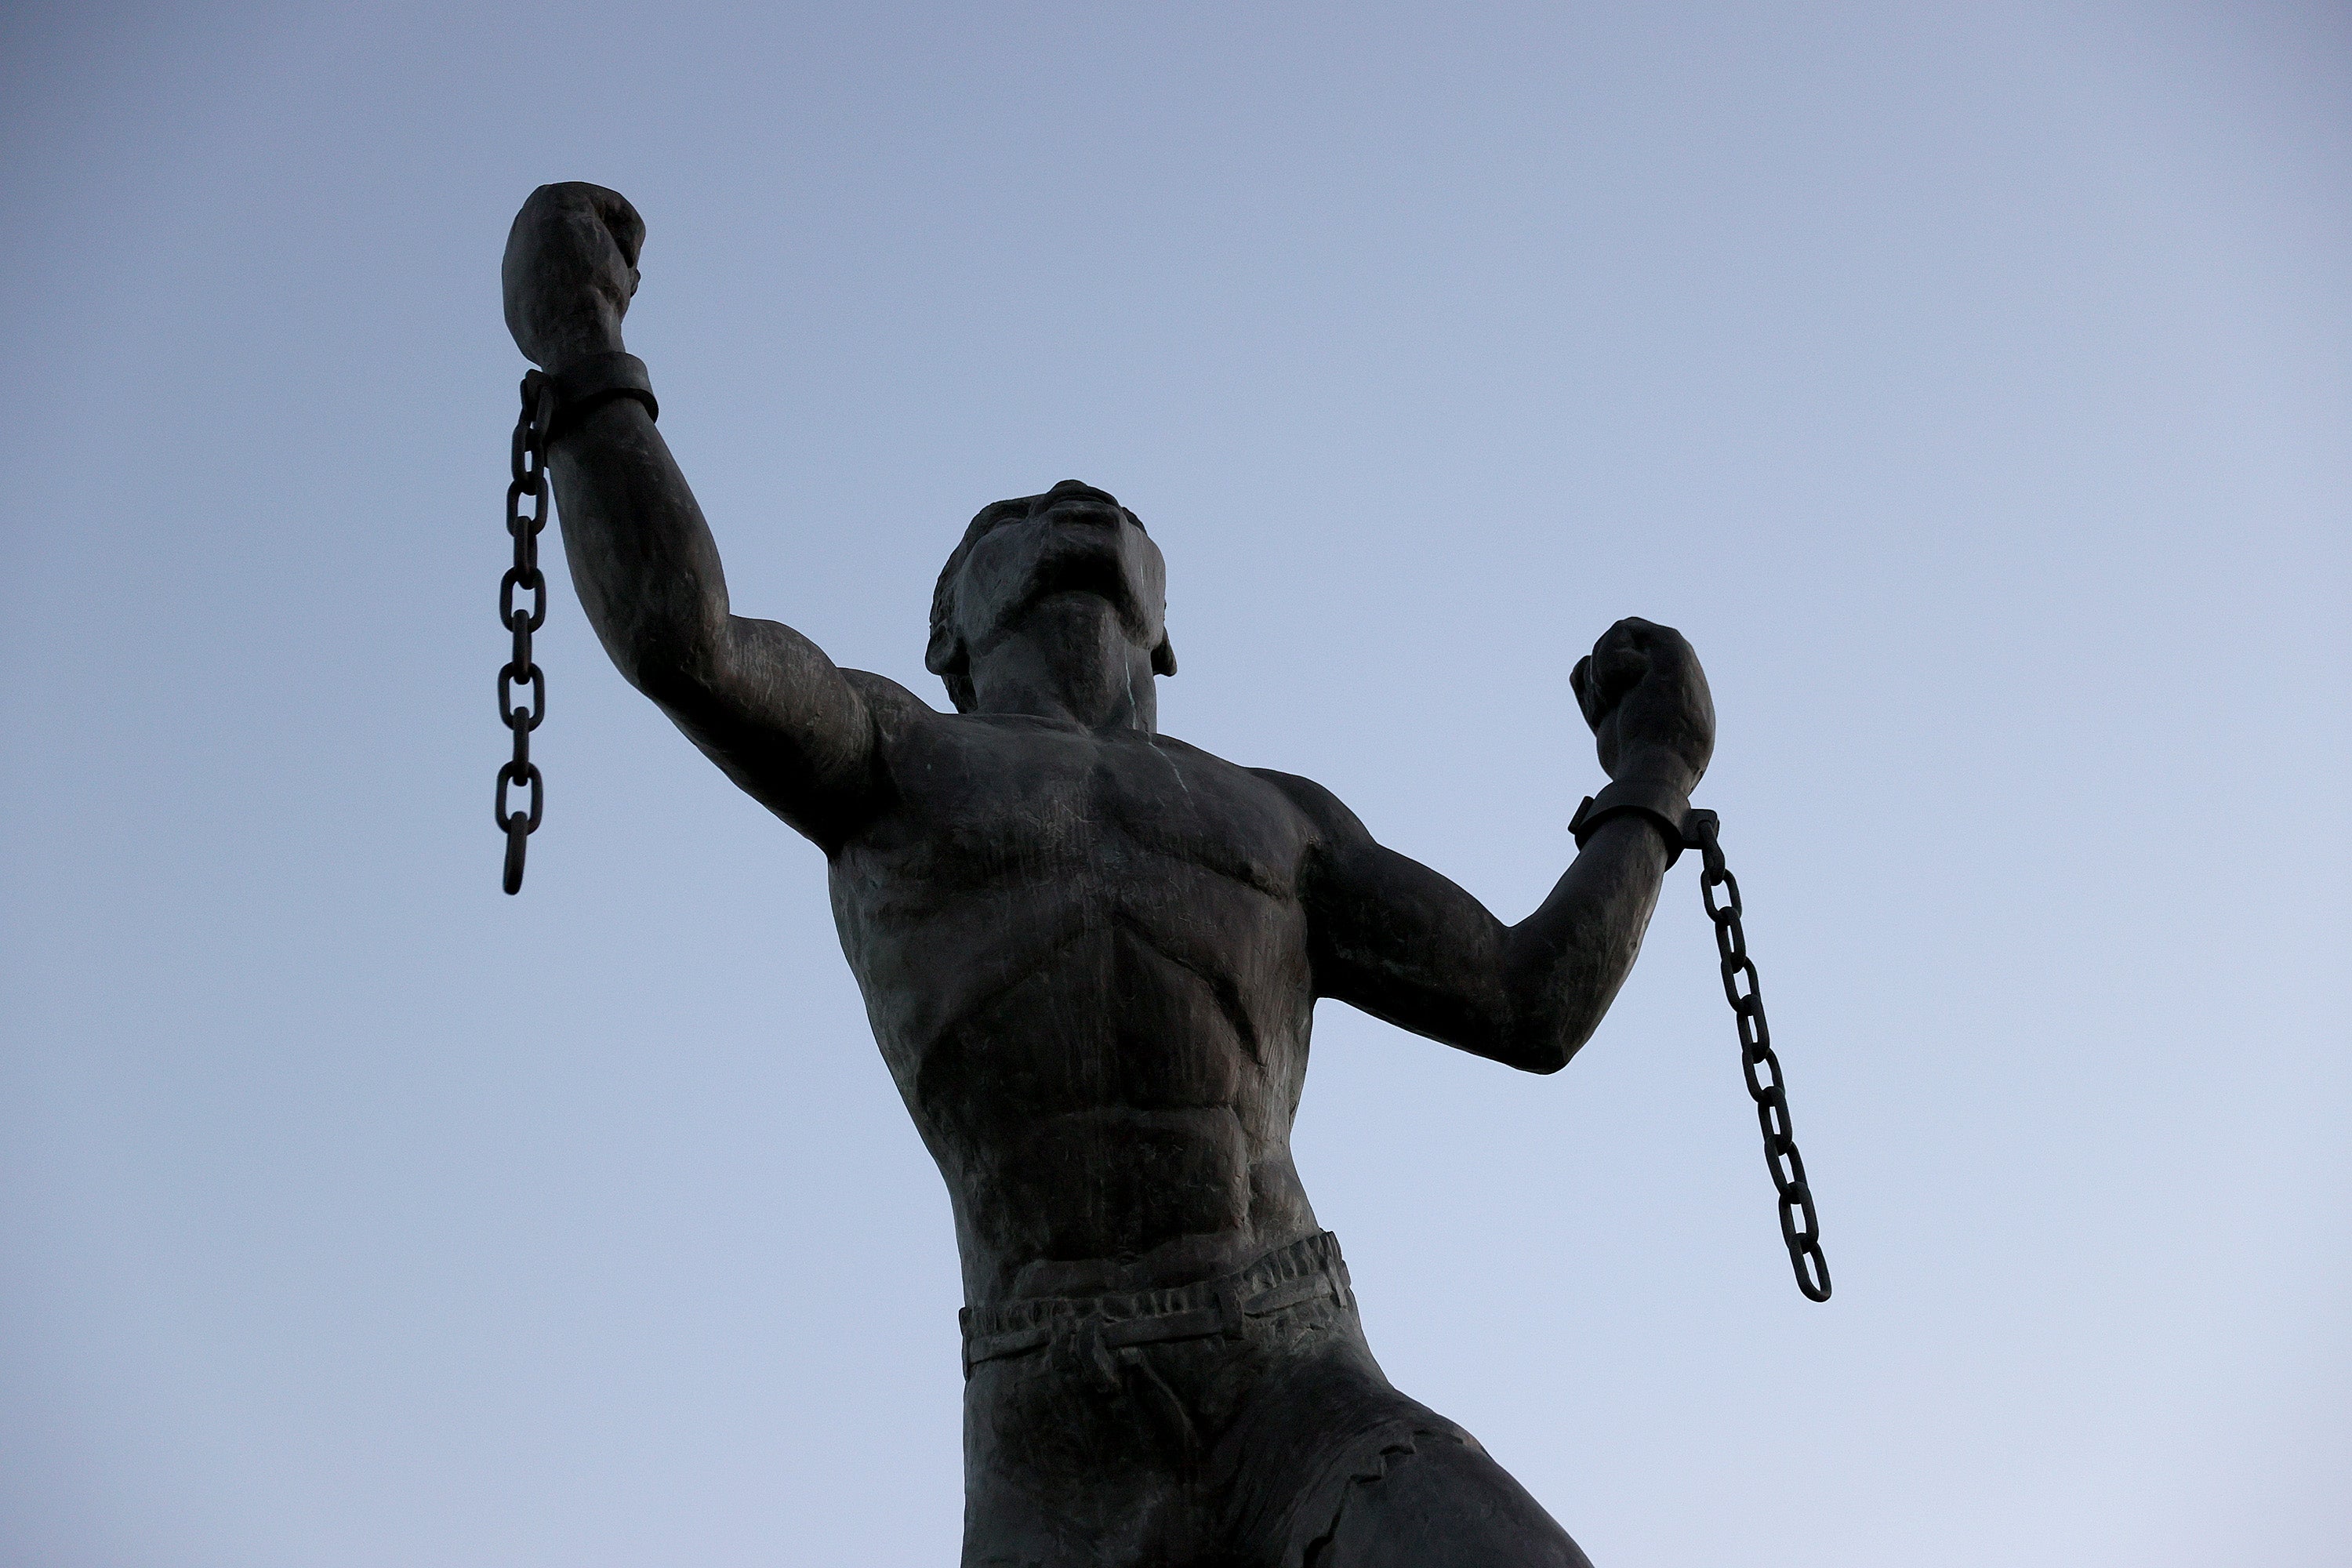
566 395
565 355
1663 804
1654 767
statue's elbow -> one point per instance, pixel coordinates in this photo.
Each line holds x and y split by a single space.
1553 1057
1555 1040
1550 1047
670 673
663 681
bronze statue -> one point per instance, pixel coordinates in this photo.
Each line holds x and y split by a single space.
1091 956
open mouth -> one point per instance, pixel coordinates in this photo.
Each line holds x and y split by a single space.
1083 561
1078 571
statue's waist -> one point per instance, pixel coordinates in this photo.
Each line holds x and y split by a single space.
1288 1277
1023 1139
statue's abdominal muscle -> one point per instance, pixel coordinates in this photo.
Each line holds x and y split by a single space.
1098 1029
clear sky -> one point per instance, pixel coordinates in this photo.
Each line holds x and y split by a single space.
1972 384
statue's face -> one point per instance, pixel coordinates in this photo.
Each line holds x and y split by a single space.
1074 539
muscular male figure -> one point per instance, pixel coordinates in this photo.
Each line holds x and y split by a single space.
1091 956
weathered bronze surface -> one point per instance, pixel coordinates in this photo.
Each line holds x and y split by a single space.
1091 956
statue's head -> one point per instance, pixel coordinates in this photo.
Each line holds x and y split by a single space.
1018 554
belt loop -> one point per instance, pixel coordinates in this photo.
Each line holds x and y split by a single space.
1229 1308
1091 1352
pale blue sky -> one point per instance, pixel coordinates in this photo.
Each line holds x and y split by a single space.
1973 386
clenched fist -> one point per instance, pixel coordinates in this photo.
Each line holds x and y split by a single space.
571 268
1646 697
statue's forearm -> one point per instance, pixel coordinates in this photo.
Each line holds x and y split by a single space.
1564 964
642 557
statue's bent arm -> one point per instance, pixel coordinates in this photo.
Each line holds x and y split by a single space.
1409 946
759 699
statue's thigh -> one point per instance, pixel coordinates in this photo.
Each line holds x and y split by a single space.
1446 1506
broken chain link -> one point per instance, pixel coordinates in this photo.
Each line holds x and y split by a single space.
1799 1227
519 674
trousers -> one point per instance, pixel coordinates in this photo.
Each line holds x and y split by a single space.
1236 1423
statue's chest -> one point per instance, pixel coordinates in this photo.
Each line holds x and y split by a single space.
1075 907
988 807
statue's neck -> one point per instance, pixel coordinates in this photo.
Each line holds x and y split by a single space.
1071 659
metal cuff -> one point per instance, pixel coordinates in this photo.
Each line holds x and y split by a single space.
1664 809
565 396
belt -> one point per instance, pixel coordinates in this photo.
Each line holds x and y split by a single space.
1289 1276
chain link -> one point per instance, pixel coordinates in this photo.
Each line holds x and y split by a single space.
519 675
1799 1227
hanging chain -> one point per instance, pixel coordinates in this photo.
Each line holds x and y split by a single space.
520 674
1799 1225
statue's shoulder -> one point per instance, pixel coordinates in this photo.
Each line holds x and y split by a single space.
894 706
904 724
1326 812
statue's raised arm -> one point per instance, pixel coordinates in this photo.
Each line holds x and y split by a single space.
1405 944
761 699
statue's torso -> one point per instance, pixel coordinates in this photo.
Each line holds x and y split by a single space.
1085 962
